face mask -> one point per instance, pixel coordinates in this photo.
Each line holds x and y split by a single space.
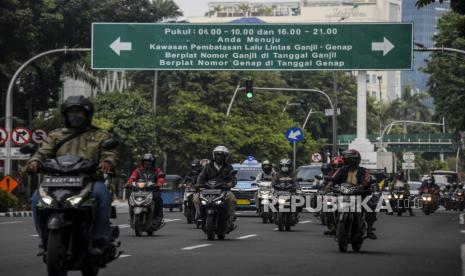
147 165
220 158
285 169
267 170
75 120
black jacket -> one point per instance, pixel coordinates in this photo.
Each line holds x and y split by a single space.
280 177
210 173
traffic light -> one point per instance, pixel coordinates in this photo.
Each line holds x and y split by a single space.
249 89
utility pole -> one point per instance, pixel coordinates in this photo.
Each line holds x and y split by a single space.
155 91
380 105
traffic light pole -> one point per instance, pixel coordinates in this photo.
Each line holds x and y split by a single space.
9 98
334 121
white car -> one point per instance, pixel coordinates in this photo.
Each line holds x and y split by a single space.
414 186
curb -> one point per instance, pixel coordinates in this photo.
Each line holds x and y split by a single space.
17 214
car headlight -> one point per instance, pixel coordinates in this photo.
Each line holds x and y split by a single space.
74 200
47 200
282 201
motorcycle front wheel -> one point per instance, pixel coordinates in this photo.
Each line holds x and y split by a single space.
55 254
342 239
210 227
137 225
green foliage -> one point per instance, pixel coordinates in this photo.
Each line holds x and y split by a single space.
424 165
456 5
28 27
7 200
446 83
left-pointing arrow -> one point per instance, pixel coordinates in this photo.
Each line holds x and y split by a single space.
117 46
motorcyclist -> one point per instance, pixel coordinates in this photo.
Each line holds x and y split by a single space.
429 186
193 174
219 170
353 174
267 173
400 183
82 139
149 172
284 174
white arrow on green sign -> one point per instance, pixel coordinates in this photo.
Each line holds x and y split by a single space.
361 46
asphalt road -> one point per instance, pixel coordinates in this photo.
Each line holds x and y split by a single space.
421 245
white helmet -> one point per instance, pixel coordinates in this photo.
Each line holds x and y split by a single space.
221 149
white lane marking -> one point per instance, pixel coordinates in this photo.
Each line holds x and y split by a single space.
462 231
305 221
461 219
246 237
196 246
170 220
276 229
462 253
10 222
33 235
124 256
122 226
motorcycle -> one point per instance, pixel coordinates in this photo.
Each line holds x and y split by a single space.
142 208
399 201
351 225
459 198
428 204
66 215
264 196
282 218
188 203
213 214
448 199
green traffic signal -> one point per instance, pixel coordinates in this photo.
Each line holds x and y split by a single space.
249 89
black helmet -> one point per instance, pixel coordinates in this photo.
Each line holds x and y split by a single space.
326 168
148 157
81 102
351 157
195 164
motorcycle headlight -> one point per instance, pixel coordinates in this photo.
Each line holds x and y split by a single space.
265 196
395 196
401 196
74 200
139 198
204 202
459 194
428 198
47 200
389 196
218 202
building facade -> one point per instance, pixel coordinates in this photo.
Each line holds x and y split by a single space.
425 24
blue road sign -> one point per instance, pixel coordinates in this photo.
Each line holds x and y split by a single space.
294 134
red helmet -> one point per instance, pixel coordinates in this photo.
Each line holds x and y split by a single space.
337 162
351 157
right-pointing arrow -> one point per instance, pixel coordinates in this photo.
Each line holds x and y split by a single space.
117 46
386 46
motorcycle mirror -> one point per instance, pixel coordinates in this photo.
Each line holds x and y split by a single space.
28 149
109 144
318 177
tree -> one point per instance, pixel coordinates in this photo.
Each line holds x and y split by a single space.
29 27
446 83
456 5
266 11
408 107
245 8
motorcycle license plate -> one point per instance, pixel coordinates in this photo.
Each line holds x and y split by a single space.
243 202
62 181
211 192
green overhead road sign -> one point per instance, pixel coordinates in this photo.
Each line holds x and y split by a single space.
370 46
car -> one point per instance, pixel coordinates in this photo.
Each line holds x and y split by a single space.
246 188
306 176
414 186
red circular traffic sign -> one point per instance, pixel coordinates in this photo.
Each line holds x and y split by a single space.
21 136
